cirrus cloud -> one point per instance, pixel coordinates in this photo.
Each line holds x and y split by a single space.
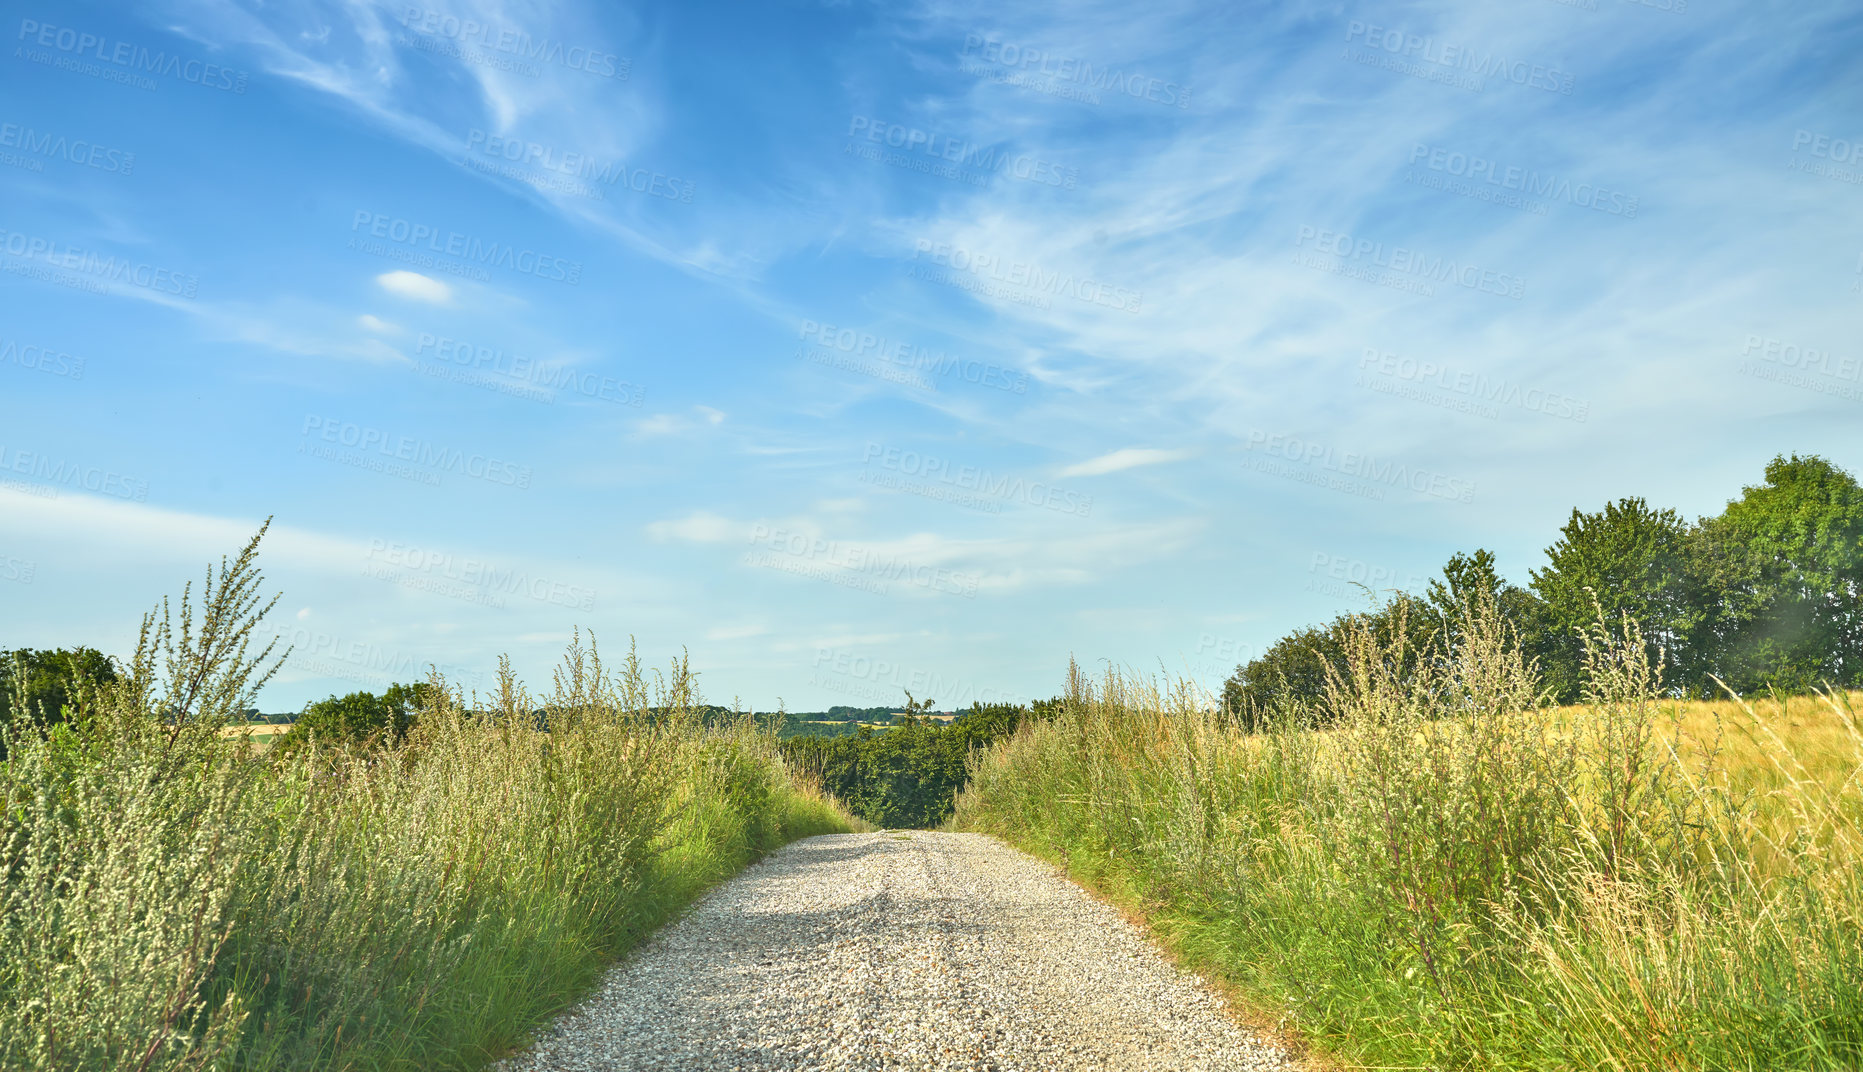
1127 458
415 287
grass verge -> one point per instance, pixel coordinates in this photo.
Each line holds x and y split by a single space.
1451 875
177 899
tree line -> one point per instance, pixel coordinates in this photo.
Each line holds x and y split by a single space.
908 775
1767 594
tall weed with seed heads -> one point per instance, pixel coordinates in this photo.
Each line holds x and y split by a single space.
175 899
1451 874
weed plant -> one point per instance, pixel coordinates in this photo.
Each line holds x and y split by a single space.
1451 874
176 899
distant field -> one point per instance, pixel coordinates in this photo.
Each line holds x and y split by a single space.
1810 727
259 733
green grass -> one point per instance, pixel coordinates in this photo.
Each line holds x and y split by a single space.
176 898
1453 876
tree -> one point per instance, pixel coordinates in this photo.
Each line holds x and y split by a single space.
49 680
906 776
1631 559
1782 568
47 684
407 701
359 718
1291 675
1466 577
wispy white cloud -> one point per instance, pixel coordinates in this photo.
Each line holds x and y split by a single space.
1198 209
1125 458
700 527
415 287
670 424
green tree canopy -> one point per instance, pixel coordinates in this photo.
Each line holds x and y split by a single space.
1291 675
359 717
906 776
1768 594
1631 559
1782 574
46 683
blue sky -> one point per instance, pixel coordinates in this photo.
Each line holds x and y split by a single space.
858 348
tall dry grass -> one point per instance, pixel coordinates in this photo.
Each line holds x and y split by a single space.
176 900
1451 875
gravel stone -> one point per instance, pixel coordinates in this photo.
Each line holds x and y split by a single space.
899 950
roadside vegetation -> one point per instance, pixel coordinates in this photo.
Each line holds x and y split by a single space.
1478 827
414 883
1435 868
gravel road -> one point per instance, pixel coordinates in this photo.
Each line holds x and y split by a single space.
899 950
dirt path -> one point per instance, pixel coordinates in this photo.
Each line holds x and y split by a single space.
899 950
